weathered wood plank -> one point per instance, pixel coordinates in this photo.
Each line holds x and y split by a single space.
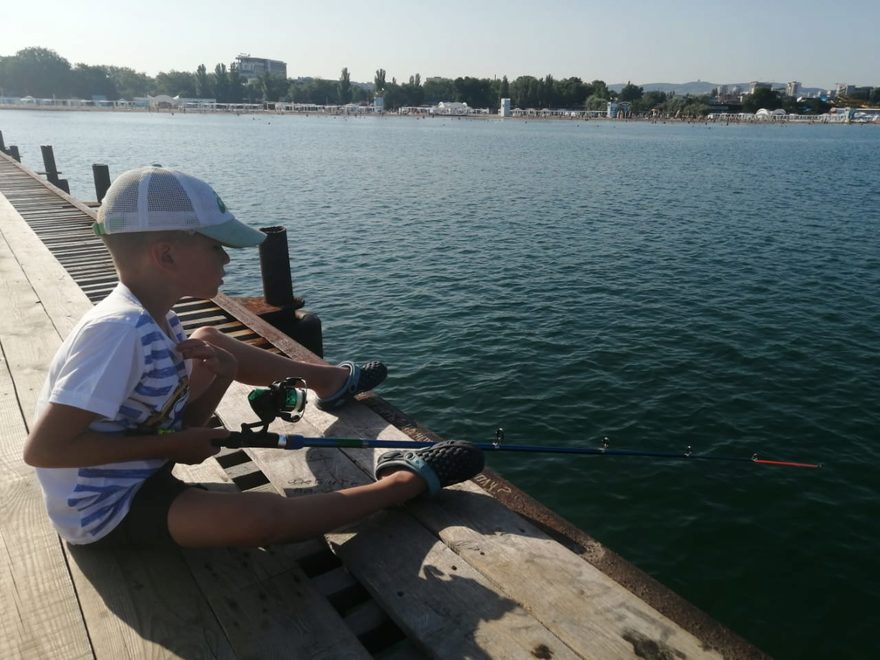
38 605
134 605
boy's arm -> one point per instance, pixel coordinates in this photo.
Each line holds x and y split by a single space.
216 369
60 437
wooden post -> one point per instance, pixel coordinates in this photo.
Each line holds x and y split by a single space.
101 174
13 151
51 170
2 144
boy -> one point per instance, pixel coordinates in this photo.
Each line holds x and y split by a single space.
128 395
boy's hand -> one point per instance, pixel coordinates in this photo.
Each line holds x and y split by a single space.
215 359
194 445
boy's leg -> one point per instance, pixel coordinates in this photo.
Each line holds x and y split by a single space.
260 367
199 518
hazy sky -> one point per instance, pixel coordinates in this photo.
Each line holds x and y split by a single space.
817 43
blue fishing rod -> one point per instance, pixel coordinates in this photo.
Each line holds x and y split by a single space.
285 400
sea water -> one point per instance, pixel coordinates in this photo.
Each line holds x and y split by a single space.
663 285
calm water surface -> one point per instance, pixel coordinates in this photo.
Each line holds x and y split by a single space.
665 286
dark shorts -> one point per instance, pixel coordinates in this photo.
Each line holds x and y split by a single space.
146 524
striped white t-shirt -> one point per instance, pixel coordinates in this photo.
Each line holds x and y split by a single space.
117 362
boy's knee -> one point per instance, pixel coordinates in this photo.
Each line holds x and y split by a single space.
209 334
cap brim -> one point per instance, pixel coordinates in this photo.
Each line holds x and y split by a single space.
233 233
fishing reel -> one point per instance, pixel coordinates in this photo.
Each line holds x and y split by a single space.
283 398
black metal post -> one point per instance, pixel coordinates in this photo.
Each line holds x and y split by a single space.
13 151
101 174
275 267
51 170
2 144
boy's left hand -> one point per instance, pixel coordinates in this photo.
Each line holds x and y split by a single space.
216 360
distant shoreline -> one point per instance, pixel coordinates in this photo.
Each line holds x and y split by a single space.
714 121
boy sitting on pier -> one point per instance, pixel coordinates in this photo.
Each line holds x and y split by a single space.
128 394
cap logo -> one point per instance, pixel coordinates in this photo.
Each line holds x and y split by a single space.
220 204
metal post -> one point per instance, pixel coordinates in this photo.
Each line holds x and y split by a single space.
101 174
13 151
275 267
51 170
2 144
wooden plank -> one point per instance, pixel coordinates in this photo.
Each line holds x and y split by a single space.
441 602
38 605
135 604
266 590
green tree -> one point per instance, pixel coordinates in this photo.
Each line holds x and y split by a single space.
649 101
523 92
476 92
595 102
571 93
176 83
235 91
414 94
630 93
220 81
504 91
763 97
438 89
379 82
204 87
88 81
344 90
129 83
600 90
38 72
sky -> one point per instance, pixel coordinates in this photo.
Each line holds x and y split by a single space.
675 41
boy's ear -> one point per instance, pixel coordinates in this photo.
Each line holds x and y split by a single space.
162 253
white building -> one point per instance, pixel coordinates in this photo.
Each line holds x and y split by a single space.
504 110
792 89
251 68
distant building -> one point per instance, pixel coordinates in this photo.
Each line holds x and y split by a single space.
504 110
755 85
792 89
251 68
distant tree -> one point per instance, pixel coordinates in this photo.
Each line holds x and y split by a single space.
630 93
176 83
414 94
595 102
235 90
649 101
504 91
524 92
763 97
436 90
571 93
89 81
220 82
271 87
38 72
204 88
600 90
476 92
129 83
344 90
875 96
379 81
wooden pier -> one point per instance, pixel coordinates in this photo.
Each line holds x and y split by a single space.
482 571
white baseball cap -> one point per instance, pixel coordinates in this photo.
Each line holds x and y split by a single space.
161 199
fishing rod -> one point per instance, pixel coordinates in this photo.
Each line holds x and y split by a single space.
285 400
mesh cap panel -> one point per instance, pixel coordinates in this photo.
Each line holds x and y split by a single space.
165 194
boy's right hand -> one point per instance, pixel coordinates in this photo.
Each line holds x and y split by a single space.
193 445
